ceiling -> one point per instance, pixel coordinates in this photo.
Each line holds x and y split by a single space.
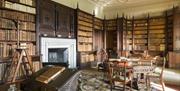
127 3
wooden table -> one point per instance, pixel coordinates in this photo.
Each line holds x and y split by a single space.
135 67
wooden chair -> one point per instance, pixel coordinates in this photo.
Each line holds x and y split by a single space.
139 73
158 76
117 73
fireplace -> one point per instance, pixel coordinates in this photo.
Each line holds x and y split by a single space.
58 51
58 55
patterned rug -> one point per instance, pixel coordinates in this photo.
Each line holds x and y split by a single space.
92 80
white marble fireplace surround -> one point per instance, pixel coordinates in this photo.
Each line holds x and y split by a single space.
70 44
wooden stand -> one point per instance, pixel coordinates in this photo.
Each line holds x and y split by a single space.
20 59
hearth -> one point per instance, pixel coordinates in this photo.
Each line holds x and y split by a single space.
58 55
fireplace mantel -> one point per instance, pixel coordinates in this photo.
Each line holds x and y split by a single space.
70 44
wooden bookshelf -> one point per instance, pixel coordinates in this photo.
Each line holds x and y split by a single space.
156 39
129 32
140 30
85 28
12 11
98 34
169 30
176 30
111 34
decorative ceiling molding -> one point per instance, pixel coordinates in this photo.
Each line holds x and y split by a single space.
127 3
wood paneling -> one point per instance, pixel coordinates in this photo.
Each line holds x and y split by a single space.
56 19
176 31
65 21
173 59
47 17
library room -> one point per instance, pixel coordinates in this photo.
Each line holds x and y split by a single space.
89 45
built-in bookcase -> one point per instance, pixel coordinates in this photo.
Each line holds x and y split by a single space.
111 34
12 11
98 34
157 34
143 34
85 26
169 30
129 32
140 34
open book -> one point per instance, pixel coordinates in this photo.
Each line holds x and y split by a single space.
50 74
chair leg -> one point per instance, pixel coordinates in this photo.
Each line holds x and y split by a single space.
149 83
131 84
162 84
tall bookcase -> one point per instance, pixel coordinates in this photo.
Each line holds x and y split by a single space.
157 29
129 33
111 34
98 34
169 30
85 26
176 30
140 30
139 34
12 11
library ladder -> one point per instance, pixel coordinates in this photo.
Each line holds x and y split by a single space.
20 61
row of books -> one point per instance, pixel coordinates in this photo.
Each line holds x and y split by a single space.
85 28
140 36
140 32
111 28
129 32
85 39
111 23
85 15
13 15
156 35
157 48
157 31
157 20
98 23
85 19
87 58
7 49
140 47
98 27
9 24
157 23
129 47
19 7
26 2
85 23
159 41
84 47
140 41
140 28
140 25
83 33
129 36
157 27
11 35
129 41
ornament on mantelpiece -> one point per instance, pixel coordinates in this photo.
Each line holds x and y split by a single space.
69 35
